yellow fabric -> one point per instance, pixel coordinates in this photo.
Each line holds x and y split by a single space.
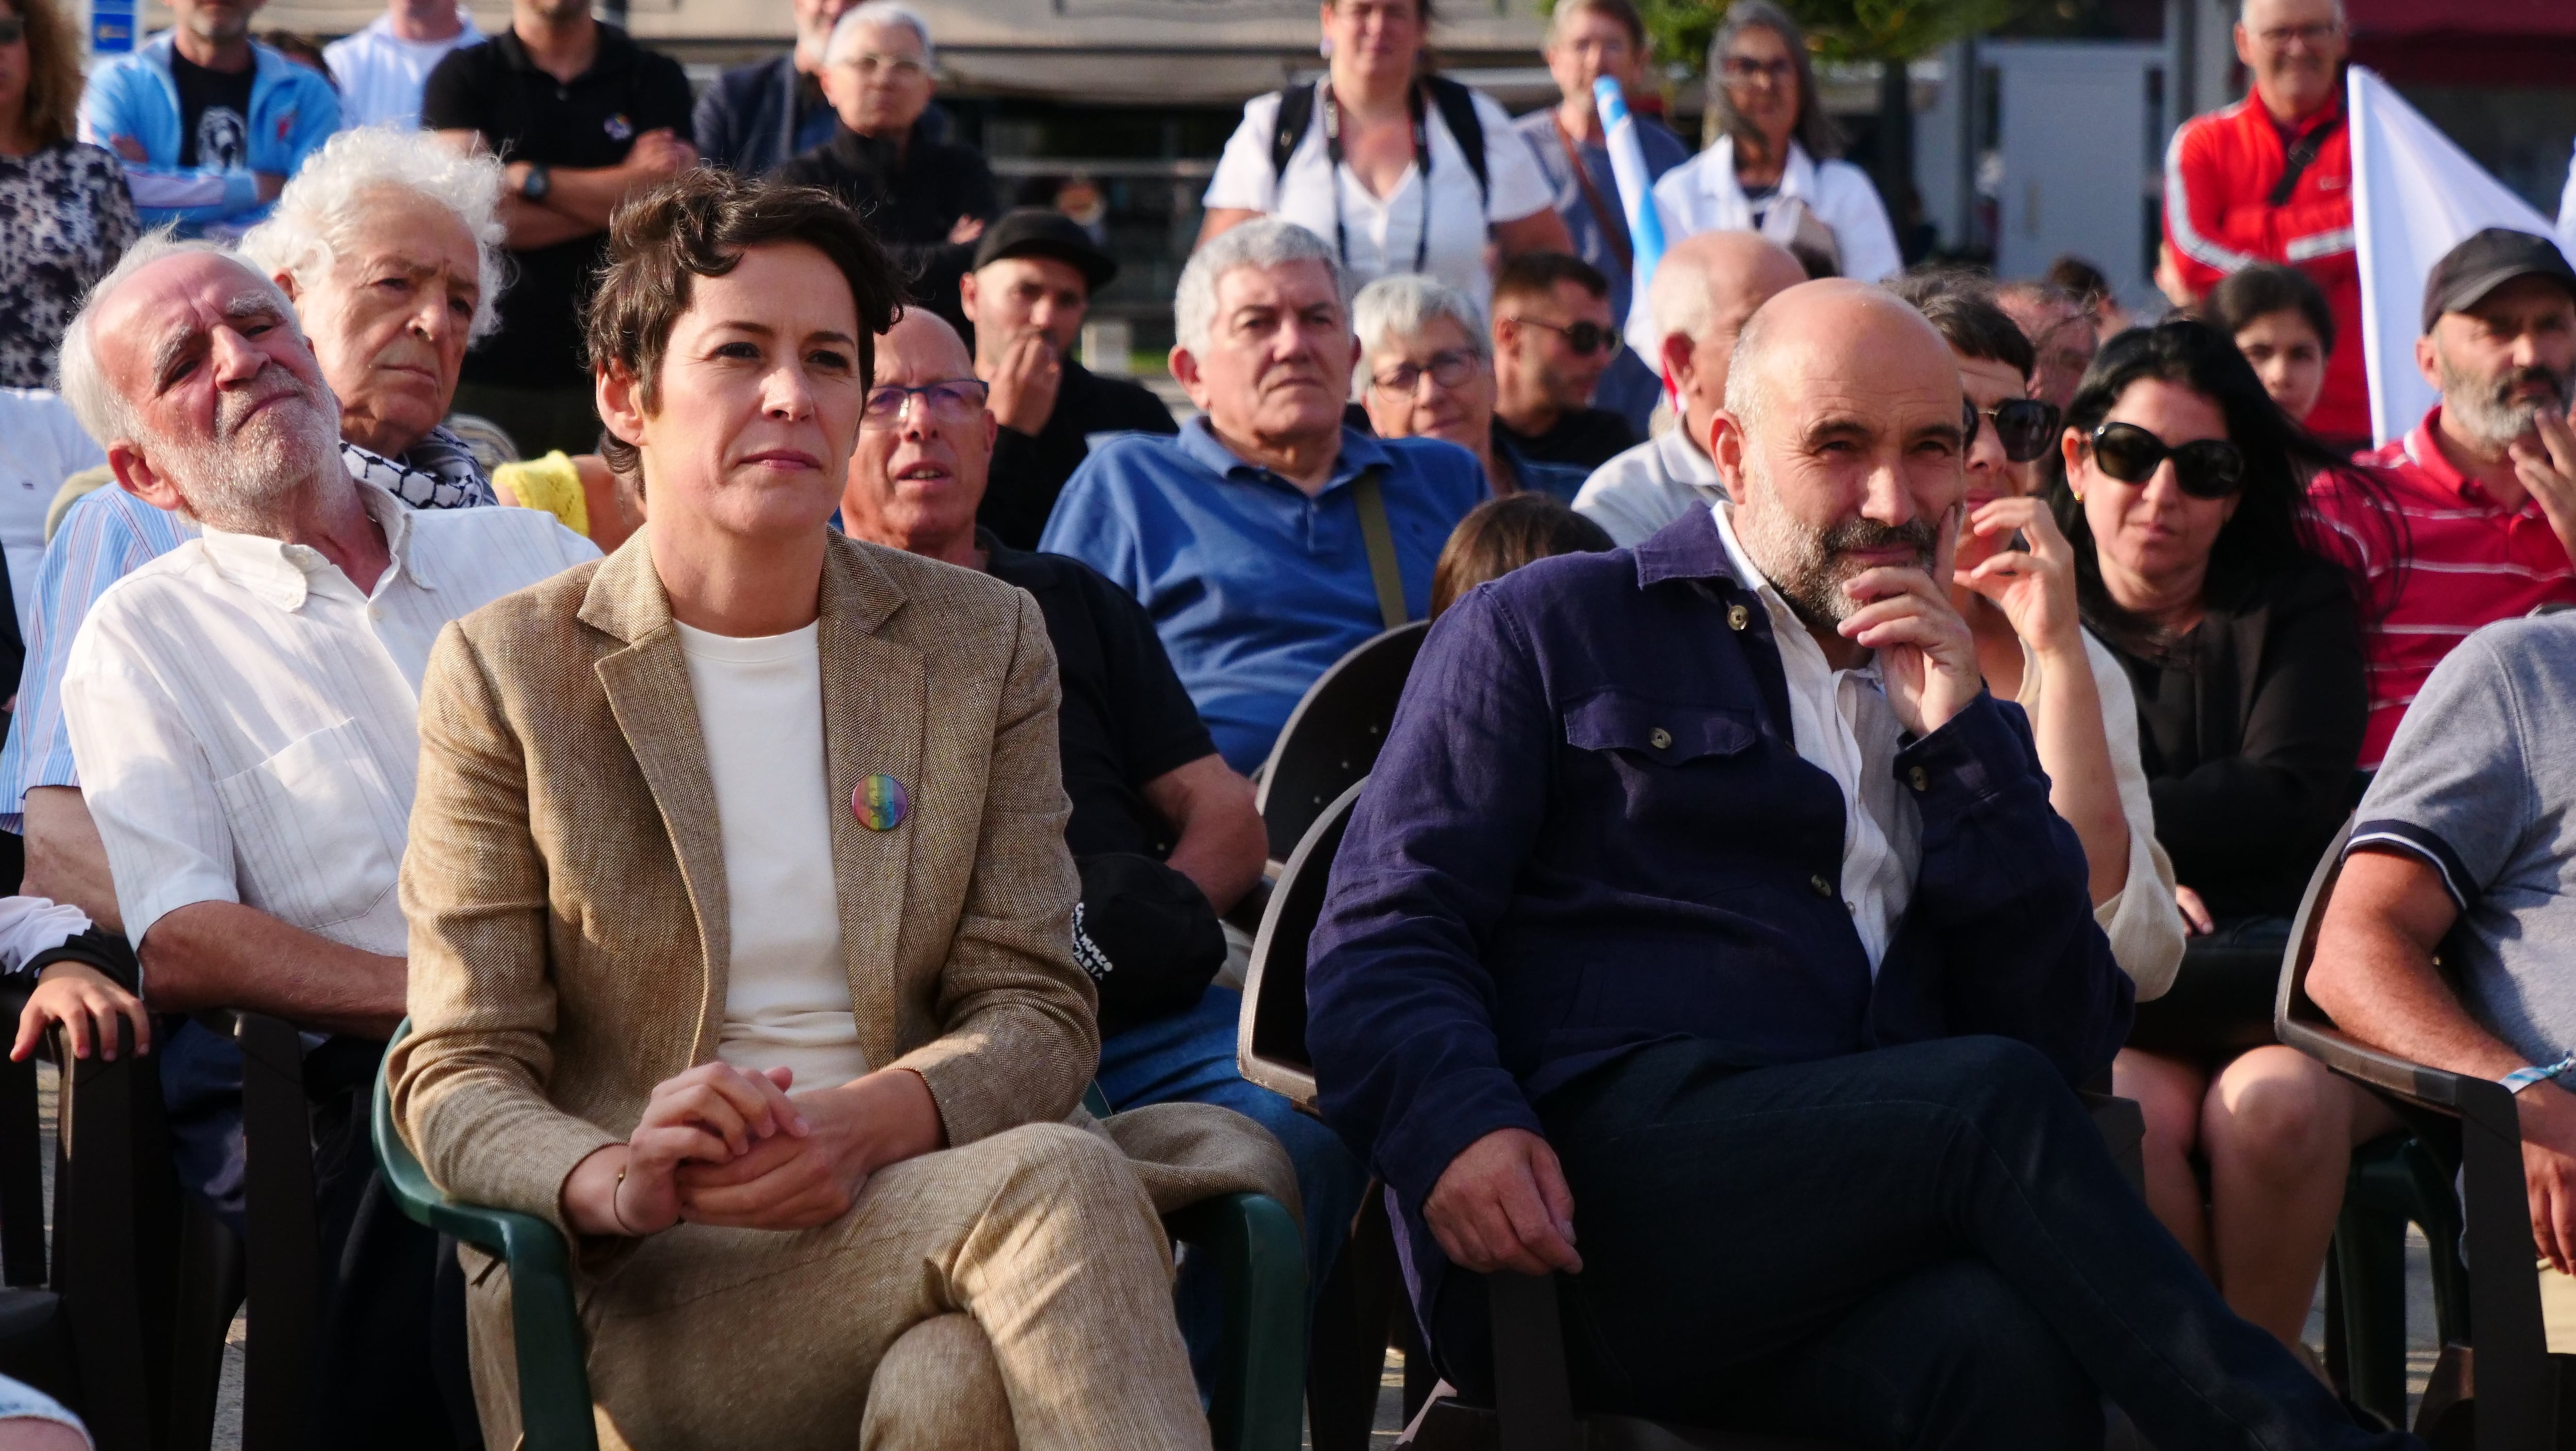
550 483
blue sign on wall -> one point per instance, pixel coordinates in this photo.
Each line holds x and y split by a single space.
111 27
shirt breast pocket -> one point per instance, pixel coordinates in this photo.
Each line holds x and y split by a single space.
1675 764
317 831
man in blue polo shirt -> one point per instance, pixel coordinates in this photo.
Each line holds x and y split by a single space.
1246 536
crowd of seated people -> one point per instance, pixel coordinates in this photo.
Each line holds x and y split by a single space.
1787 813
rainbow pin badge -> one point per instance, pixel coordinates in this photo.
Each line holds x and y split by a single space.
880 803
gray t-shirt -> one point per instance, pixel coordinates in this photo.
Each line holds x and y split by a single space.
2480 782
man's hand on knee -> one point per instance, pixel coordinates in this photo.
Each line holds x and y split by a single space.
1502 1204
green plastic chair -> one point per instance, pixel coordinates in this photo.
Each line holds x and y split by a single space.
1261 1365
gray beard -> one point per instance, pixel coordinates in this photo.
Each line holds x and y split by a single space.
1806 565
2479 409
245 480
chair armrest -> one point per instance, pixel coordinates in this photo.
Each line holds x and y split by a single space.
545 1321
2428 1088
1261 1369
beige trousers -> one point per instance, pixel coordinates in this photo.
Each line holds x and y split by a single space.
1014 1292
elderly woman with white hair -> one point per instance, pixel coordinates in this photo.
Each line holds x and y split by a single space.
1427 371
926 197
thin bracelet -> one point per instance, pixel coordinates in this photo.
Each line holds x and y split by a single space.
616 1210
2522 1078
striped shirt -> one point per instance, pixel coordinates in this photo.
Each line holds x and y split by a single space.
2469 562
244 715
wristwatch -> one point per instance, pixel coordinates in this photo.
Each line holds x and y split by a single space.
534 186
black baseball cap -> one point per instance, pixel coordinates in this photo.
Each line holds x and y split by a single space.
1044 232
2487 261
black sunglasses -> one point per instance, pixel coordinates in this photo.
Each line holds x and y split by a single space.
1586 337
2025 426
2211 468
13 28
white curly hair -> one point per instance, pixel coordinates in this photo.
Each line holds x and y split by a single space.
325 201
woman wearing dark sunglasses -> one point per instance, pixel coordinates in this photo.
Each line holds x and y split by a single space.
2180 485
65 216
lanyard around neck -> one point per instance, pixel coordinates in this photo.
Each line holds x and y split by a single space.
1333 157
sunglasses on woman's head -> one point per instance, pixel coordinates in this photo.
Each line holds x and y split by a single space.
2210 468
2026 427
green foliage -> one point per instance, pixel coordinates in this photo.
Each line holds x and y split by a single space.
1839 29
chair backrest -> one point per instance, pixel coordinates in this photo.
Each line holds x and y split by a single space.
1270 1041
1332 738
2290 1003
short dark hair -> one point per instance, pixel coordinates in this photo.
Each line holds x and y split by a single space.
1961 308
1625 12
2080 280
1535 274
698 224
2265 288
1500 535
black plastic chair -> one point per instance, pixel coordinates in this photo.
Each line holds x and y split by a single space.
2495 1358
1332 738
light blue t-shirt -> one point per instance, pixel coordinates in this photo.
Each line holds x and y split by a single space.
1255 587
2480 782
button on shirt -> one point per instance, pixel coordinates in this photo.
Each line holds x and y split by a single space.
1844 727
244 716
1255 586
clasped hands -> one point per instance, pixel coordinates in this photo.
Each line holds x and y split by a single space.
727 1146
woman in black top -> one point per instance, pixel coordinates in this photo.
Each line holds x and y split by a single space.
2181 487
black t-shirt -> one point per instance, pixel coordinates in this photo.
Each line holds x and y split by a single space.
1029 470
1125 718
524 114
911 202
214 114
1584 437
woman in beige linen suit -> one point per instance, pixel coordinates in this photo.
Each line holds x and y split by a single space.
740 914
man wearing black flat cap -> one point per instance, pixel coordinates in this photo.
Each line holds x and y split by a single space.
2485 486
1035 271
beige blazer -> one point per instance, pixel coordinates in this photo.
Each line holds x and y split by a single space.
565 882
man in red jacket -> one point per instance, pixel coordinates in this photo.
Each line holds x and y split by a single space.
2270 180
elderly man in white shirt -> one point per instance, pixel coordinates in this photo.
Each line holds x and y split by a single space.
242 713
1703 291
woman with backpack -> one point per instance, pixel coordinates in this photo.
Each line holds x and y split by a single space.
1397 168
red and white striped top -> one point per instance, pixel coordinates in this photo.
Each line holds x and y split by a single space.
2469 562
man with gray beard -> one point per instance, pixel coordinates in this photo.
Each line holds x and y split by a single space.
241 713
2471 518
1703 899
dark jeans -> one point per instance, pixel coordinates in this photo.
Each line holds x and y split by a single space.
393 1369
1919 1246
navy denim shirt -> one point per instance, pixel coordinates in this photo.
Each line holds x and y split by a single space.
1591 830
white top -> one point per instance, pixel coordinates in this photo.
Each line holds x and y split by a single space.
245 718
1381 236
40 446
1649 486
1702 195
2141 919
381 75
787 987
1844 727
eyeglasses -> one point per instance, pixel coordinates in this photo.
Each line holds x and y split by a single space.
2313 36
2210 468
1450 368
900 67
13 28
2024 426
951 400
1740 69
1586 338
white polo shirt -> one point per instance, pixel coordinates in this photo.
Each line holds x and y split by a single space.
245 719
1382 235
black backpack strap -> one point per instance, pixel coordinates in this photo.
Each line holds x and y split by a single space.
1296 113
1458 112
